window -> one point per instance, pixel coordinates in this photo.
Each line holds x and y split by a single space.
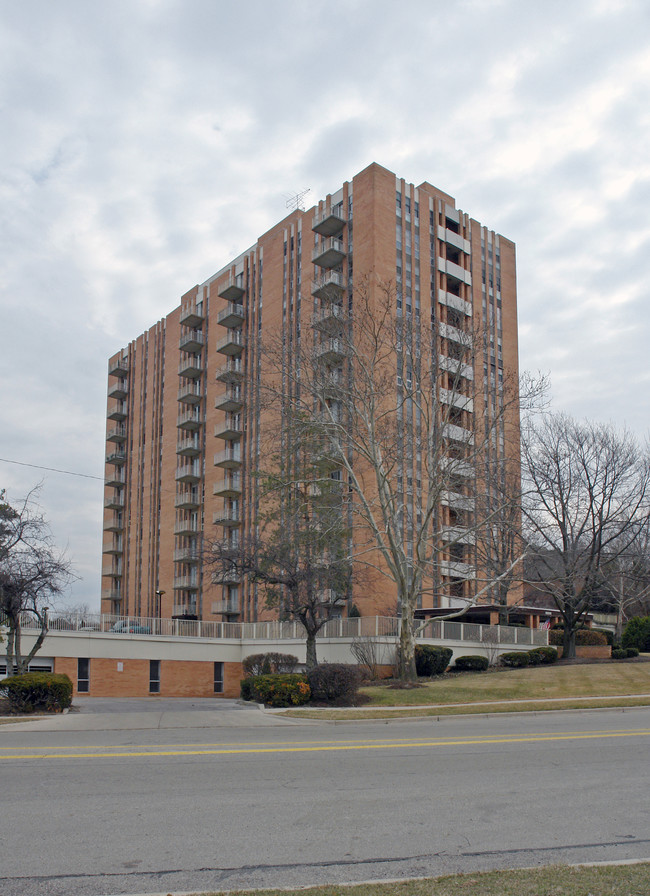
154 676
83 675
218 678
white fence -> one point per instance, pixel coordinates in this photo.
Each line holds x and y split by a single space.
359 627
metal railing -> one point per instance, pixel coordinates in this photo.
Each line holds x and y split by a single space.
274 630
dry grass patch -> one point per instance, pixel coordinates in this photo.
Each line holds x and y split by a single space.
597 680
555 880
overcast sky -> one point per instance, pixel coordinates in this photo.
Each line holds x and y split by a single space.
134 135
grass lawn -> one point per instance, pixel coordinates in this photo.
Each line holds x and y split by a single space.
554 880
619 681
581 680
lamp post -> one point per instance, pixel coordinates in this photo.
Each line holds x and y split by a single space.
159 594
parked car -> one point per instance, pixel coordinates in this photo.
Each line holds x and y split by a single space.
131 627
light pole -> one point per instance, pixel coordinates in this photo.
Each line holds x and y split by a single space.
159 594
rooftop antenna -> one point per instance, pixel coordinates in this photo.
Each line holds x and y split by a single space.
297 200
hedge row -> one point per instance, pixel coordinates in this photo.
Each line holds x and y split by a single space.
327 683
269 663
37 692
539 656
624 653
585 637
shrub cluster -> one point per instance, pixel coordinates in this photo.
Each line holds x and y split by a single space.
37 692
334 682
637 634
269 663
471 663
542 656
624 653
514 660
276 689
431 660
585 637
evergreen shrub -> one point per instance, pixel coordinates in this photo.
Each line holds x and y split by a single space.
277 689
430 660
514 660
473 663
37 692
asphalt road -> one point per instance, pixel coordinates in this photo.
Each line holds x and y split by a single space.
192 797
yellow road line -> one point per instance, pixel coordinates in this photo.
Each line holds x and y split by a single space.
310 743
334 748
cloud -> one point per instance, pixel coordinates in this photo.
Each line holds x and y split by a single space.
144 145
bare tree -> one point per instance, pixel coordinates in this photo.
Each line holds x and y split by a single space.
586 505
32 571
299 550
394 402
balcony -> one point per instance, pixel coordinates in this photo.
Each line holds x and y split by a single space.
187 555
458 535
114 570
115 479
229 459
189 447
228 487
118 367
191 393
189 473
231 607
118 389
113 547
114 596
186 583
329 319
230 400
231 372
187 527
231 316
329 253
456 501
191 367
117 411
329 286
229 429
191 420
116 502
116 434
457 570
331 351
457 399
226 577
329 221
458 434
191 314
458 368
331 384
114 524
233 343
185 611
226 517
191 341
454 239
451 269
232 288
117 457
188 500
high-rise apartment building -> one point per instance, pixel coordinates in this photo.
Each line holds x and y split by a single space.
185 423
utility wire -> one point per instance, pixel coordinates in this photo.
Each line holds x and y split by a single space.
4 460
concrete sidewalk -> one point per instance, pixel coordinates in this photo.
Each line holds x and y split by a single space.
125 713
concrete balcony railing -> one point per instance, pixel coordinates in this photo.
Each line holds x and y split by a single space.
118 367
232 288
231 372
191 314
231 316
191 393
329 286
233 343
329 253
229 458
329 221
192 341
